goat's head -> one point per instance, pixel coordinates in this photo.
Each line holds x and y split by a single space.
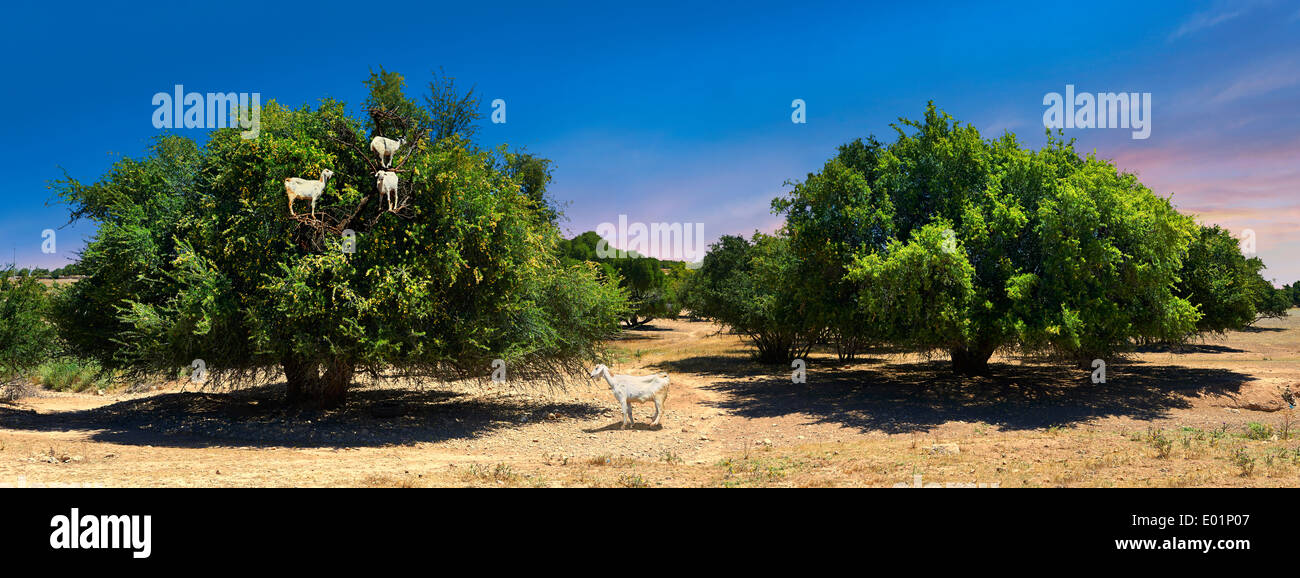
598 369
326 175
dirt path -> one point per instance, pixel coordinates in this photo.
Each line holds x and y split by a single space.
728 421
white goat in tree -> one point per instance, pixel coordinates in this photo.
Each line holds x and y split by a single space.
630 388
386 148
386 183
297 188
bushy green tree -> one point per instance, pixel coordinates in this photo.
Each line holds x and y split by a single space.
831 217
973 245
27 338
752 288
652 285
1292 293
1222 283
140 207
1270 302
196 257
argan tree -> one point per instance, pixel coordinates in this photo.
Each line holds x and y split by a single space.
26 337
951 241
752 287
831 217
1225 286
197 258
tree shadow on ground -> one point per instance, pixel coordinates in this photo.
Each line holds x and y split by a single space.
647 326
618 425
258 417
1187 348
909 397
1253 329
739 362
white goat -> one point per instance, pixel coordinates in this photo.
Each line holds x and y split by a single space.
630 388
386 148
386 182
298 188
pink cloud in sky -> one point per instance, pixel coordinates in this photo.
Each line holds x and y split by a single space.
1257 190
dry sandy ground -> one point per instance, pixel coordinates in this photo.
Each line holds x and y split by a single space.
1163 418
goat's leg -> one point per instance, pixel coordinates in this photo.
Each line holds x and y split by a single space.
627 414
658 409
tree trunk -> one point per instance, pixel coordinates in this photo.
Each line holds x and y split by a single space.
971 360
301 378
773 349
334 384
636 321
847 346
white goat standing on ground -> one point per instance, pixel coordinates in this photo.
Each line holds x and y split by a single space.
386 148
297 188
386 182
630 388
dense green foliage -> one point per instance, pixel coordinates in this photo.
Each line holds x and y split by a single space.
1270 302
1291 293
26 337
752 288
72 373
654 287
944 240
831 217
196 256
1225 286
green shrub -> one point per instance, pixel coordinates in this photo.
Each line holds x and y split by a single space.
26 337
1244 461
72 374
1259 431
1161 443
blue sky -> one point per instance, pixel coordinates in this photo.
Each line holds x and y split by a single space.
679 112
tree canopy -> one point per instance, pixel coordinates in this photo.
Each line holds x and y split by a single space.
197 257
26 337
945 240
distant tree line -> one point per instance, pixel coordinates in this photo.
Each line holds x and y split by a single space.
654 287
70 270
